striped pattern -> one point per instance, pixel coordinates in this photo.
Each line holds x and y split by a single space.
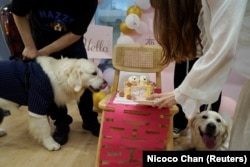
12 85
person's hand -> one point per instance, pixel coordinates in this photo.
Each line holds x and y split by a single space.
43 52
164 100
29 53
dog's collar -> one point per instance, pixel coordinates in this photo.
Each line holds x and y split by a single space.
27 80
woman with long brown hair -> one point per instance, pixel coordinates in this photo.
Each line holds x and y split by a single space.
219 26
182 45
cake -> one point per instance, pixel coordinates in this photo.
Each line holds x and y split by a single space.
137 88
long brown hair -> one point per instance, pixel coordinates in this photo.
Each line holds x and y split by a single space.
175 28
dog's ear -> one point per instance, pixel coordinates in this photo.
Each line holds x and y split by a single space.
74 79
192 120
225 134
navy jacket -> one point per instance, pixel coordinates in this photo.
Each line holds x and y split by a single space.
26 83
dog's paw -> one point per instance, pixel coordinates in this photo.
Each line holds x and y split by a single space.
2 133
51 145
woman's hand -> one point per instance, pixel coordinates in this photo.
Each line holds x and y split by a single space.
164 100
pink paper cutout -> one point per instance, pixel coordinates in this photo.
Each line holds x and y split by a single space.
133 128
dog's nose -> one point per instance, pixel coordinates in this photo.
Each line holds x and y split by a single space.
210 128
3 113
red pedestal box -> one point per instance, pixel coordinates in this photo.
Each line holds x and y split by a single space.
127 130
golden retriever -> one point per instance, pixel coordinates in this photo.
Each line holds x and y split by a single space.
207 131
67 80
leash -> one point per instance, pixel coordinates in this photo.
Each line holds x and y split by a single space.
27 76
26 80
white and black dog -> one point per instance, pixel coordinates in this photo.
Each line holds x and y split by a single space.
42 82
